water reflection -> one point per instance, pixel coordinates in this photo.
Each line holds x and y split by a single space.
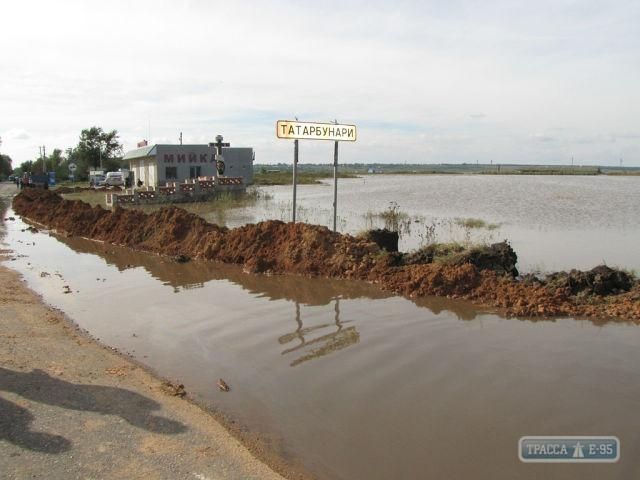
330 342
307 291
302 290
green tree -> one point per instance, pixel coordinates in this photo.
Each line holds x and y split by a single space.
27 166
95 147
5 166
54 160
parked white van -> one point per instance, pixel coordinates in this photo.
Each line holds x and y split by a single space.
114 179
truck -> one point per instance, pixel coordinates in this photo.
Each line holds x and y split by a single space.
36 180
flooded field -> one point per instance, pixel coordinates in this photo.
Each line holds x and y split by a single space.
553 222
351 382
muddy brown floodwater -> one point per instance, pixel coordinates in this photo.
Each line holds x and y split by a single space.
347 380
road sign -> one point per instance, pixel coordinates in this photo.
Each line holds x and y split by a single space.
296 131
72 167
292 129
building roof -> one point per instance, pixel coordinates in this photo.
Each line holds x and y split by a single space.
140 152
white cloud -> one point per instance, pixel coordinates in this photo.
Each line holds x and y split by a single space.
396 70
15 134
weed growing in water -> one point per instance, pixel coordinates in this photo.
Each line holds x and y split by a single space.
476 223
393 219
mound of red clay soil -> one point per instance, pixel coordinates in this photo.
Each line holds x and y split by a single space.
278 247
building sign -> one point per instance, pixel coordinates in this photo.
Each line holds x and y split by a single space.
192 158
315 131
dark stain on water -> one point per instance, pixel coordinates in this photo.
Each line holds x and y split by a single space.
349 381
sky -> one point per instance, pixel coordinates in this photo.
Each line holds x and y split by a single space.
425 82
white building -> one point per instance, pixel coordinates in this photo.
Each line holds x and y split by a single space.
155 165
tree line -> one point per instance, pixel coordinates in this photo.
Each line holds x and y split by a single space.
95 147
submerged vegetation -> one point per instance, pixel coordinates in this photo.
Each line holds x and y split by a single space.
476 223
463 232
393 218
283 175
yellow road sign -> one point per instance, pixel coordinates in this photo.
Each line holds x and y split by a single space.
292 129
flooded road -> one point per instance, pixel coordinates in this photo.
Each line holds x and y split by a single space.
348 381
553 222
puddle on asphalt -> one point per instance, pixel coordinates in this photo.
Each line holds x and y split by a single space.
350 381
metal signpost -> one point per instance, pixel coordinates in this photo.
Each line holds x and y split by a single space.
72 171
295 130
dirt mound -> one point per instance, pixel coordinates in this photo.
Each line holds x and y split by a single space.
384 238
601 280
484 275
499 257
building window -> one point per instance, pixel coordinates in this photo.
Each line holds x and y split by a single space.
171 173
195 172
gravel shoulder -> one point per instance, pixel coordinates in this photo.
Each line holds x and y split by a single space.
72 408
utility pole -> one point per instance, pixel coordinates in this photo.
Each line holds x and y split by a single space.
43 157
180 138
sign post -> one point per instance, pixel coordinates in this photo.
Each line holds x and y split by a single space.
296 130
72 171
295 177
335 184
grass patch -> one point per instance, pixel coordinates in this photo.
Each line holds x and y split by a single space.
448 253
284 176
222 201
451 253
67 183
476 223
93 198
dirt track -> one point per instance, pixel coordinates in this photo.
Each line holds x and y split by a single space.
277 247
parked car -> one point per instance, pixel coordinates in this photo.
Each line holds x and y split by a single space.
97 180
114 179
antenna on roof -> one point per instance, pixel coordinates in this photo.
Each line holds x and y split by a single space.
180 138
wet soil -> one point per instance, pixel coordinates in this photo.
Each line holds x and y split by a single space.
311 250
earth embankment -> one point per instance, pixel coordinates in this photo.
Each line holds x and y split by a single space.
486 276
